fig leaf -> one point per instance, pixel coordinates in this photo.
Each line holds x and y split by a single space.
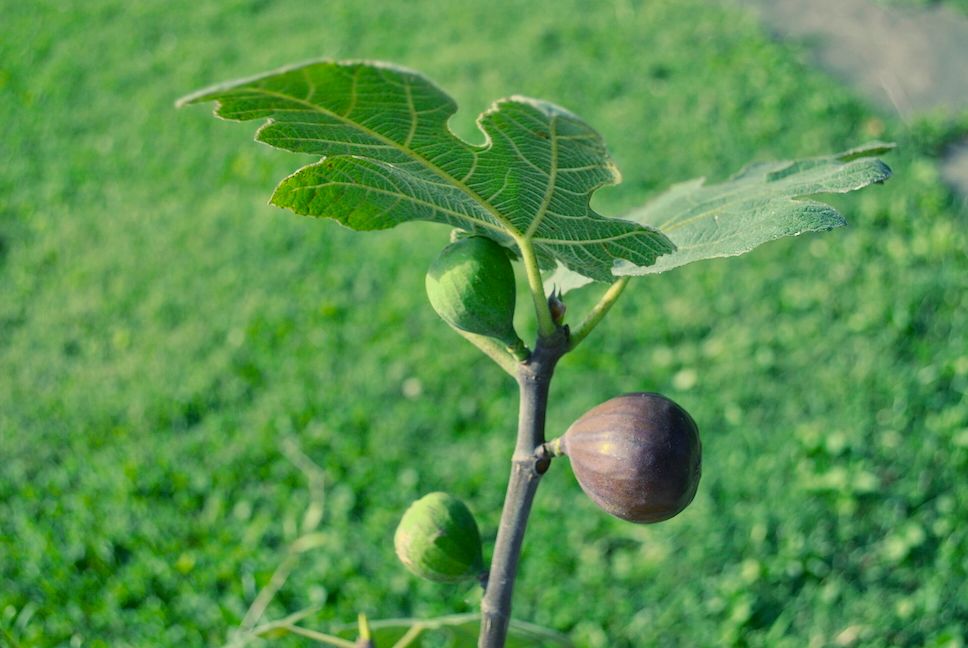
388 156
761 203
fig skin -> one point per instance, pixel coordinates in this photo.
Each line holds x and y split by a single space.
638 456
471 286
438 539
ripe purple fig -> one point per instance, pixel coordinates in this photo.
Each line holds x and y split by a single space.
638 456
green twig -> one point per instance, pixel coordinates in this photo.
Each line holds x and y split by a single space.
597 313
415 631
267 593
319 637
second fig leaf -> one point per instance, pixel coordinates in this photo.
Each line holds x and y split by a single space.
763 202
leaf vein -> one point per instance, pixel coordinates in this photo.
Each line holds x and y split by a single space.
552 177
518 153
428 164
404 197
584 241
413 115
353 93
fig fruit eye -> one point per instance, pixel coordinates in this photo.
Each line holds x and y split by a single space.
471 286
638 456
438 539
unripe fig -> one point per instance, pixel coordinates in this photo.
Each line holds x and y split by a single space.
438 539
638 456
471 286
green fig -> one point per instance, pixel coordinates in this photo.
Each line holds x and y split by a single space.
438 539
638 456
471 286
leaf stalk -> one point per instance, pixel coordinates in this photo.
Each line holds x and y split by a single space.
598 312
546 324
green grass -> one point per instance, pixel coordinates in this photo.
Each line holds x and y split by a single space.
162 330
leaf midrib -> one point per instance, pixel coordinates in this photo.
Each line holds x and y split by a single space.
552 178
581 242
399 196
429 165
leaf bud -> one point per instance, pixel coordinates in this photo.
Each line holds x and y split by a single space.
557 307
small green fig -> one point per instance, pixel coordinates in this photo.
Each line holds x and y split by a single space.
438 539
471 286
638 456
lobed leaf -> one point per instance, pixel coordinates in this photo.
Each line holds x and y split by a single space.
388 156
759 204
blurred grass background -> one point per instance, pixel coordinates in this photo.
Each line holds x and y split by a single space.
162 329
960 5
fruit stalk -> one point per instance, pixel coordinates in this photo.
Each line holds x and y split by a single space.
528 464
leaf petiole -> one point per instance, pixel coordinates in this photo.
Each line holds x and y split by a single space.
597 312
546 325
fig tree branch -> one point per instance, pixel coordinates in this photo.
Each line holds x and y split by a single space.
528 464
